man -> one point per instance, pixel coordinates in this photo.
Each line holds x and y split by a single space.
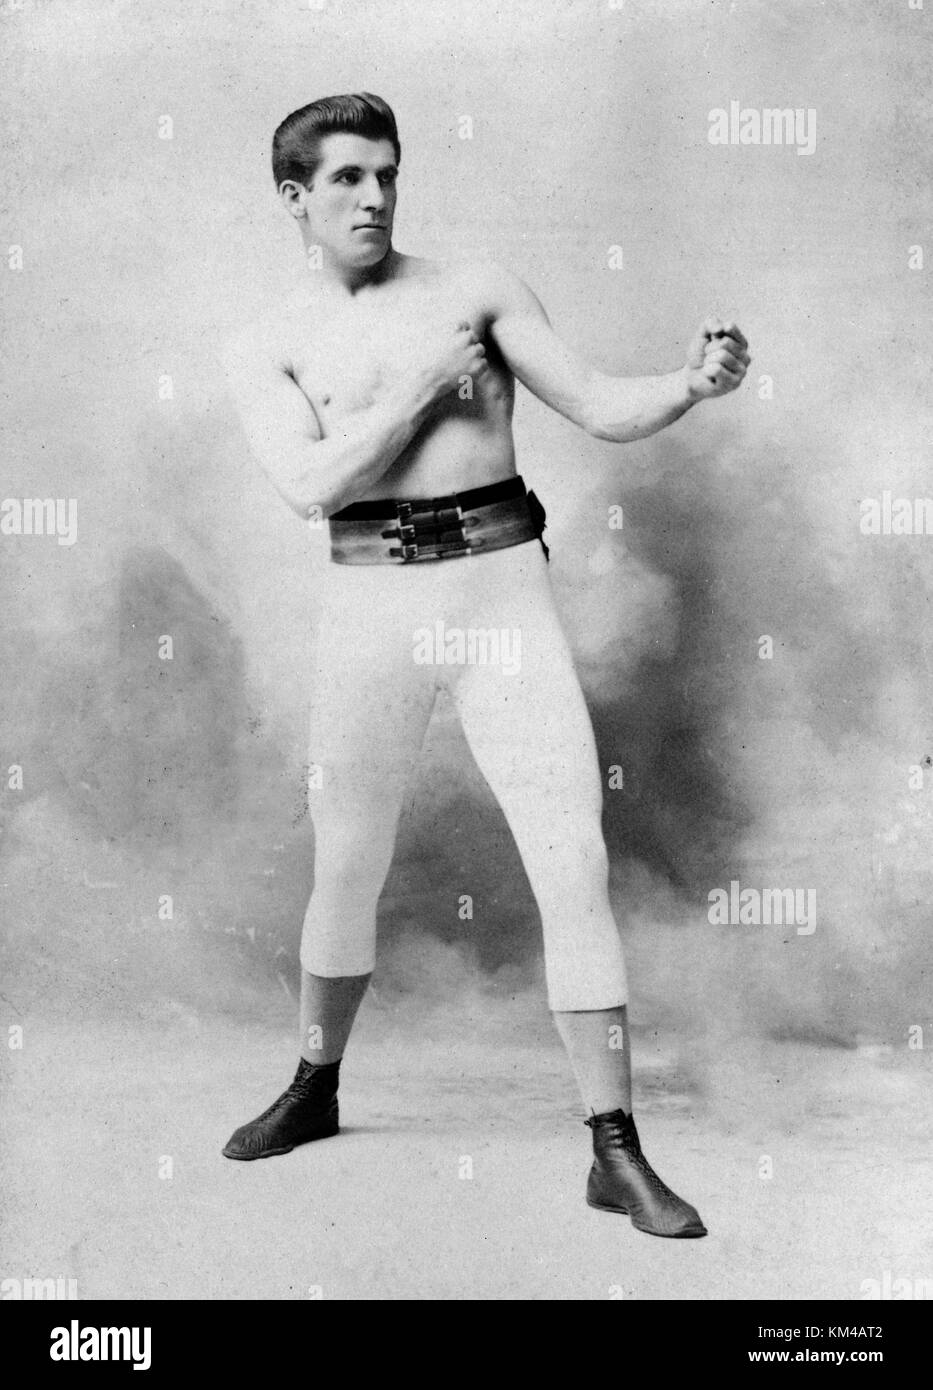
380 397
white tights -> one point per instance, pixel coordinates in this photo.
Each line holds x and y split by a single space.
527 725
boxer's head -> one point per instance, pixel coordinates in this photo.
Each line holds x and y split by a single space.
335 163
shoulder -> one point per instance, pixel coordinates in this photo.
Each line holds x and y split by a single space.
485 273
493 284
476 273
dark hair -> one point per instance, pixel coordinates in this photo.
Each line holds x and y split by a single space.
296 143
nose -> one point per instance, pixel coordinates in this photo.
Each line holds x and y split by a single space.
373 196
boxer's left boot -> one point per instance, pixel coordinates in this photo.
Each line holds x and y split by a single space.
307 1110
621 1179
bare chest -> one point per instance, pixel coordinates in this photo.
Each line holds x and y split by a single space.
345 361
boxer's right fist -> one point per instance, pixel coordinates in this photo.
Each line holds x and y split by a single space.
452 354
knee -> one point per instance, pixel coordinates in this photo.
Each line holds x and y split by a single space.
351 853
334 946
580 854
571 876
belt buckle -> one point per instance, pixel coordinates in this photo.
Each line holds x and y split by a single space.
411 548
407 532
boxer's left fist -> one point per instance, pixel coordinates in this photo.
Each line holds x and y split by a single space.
717 360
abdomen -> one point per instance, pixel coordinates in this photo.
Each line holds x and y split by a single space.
465 448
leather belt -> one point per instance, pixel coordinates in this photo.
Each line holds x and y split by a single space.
390 531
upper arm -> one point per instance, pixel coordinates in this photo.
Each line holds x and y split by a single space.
277 416
533 352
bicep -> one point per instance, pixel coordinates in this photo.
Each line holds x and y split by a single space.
533 352
277 417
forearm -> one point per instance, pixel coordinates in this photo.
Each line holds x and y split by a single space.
340 469
625 408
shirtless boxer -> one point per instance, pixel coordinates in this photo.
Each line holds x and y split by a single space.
380 397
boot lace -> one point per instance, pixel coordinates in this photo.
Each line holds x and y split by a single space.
622 1134
301 1089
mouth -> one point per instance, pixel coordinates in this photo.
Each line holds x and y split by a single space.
370 227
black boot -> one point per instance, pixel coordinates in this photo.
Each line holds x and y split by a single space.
621 1179
306 1111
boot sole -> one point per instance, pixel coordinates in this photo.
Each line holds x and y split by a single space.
275 1153
692 1233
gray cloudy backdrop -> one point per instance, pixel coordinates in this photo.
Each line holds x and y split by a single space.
144 777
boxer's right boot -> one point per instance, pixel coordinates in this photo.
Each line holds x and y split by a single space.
306 1111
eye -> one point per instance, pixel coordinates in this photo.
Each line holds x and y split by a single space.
389 178
348 177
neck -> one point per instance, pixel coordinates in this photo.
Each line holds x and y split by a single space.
334 276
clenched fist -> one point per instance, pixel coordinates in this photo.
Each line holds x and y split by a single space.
451 355
717 360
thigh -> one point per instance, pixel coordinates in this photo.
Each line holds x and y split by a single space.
369 702
527 723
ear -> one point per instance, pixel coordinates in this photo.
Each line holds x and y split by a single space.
293 196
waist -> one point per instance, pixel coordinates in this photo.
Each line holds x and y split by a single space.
410 530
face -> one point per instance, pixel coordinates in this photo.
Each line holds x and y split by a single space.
350 206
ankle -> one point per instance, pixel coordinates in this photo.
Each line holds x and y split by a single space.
612 1129
308 1064
316 1080
602 1115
